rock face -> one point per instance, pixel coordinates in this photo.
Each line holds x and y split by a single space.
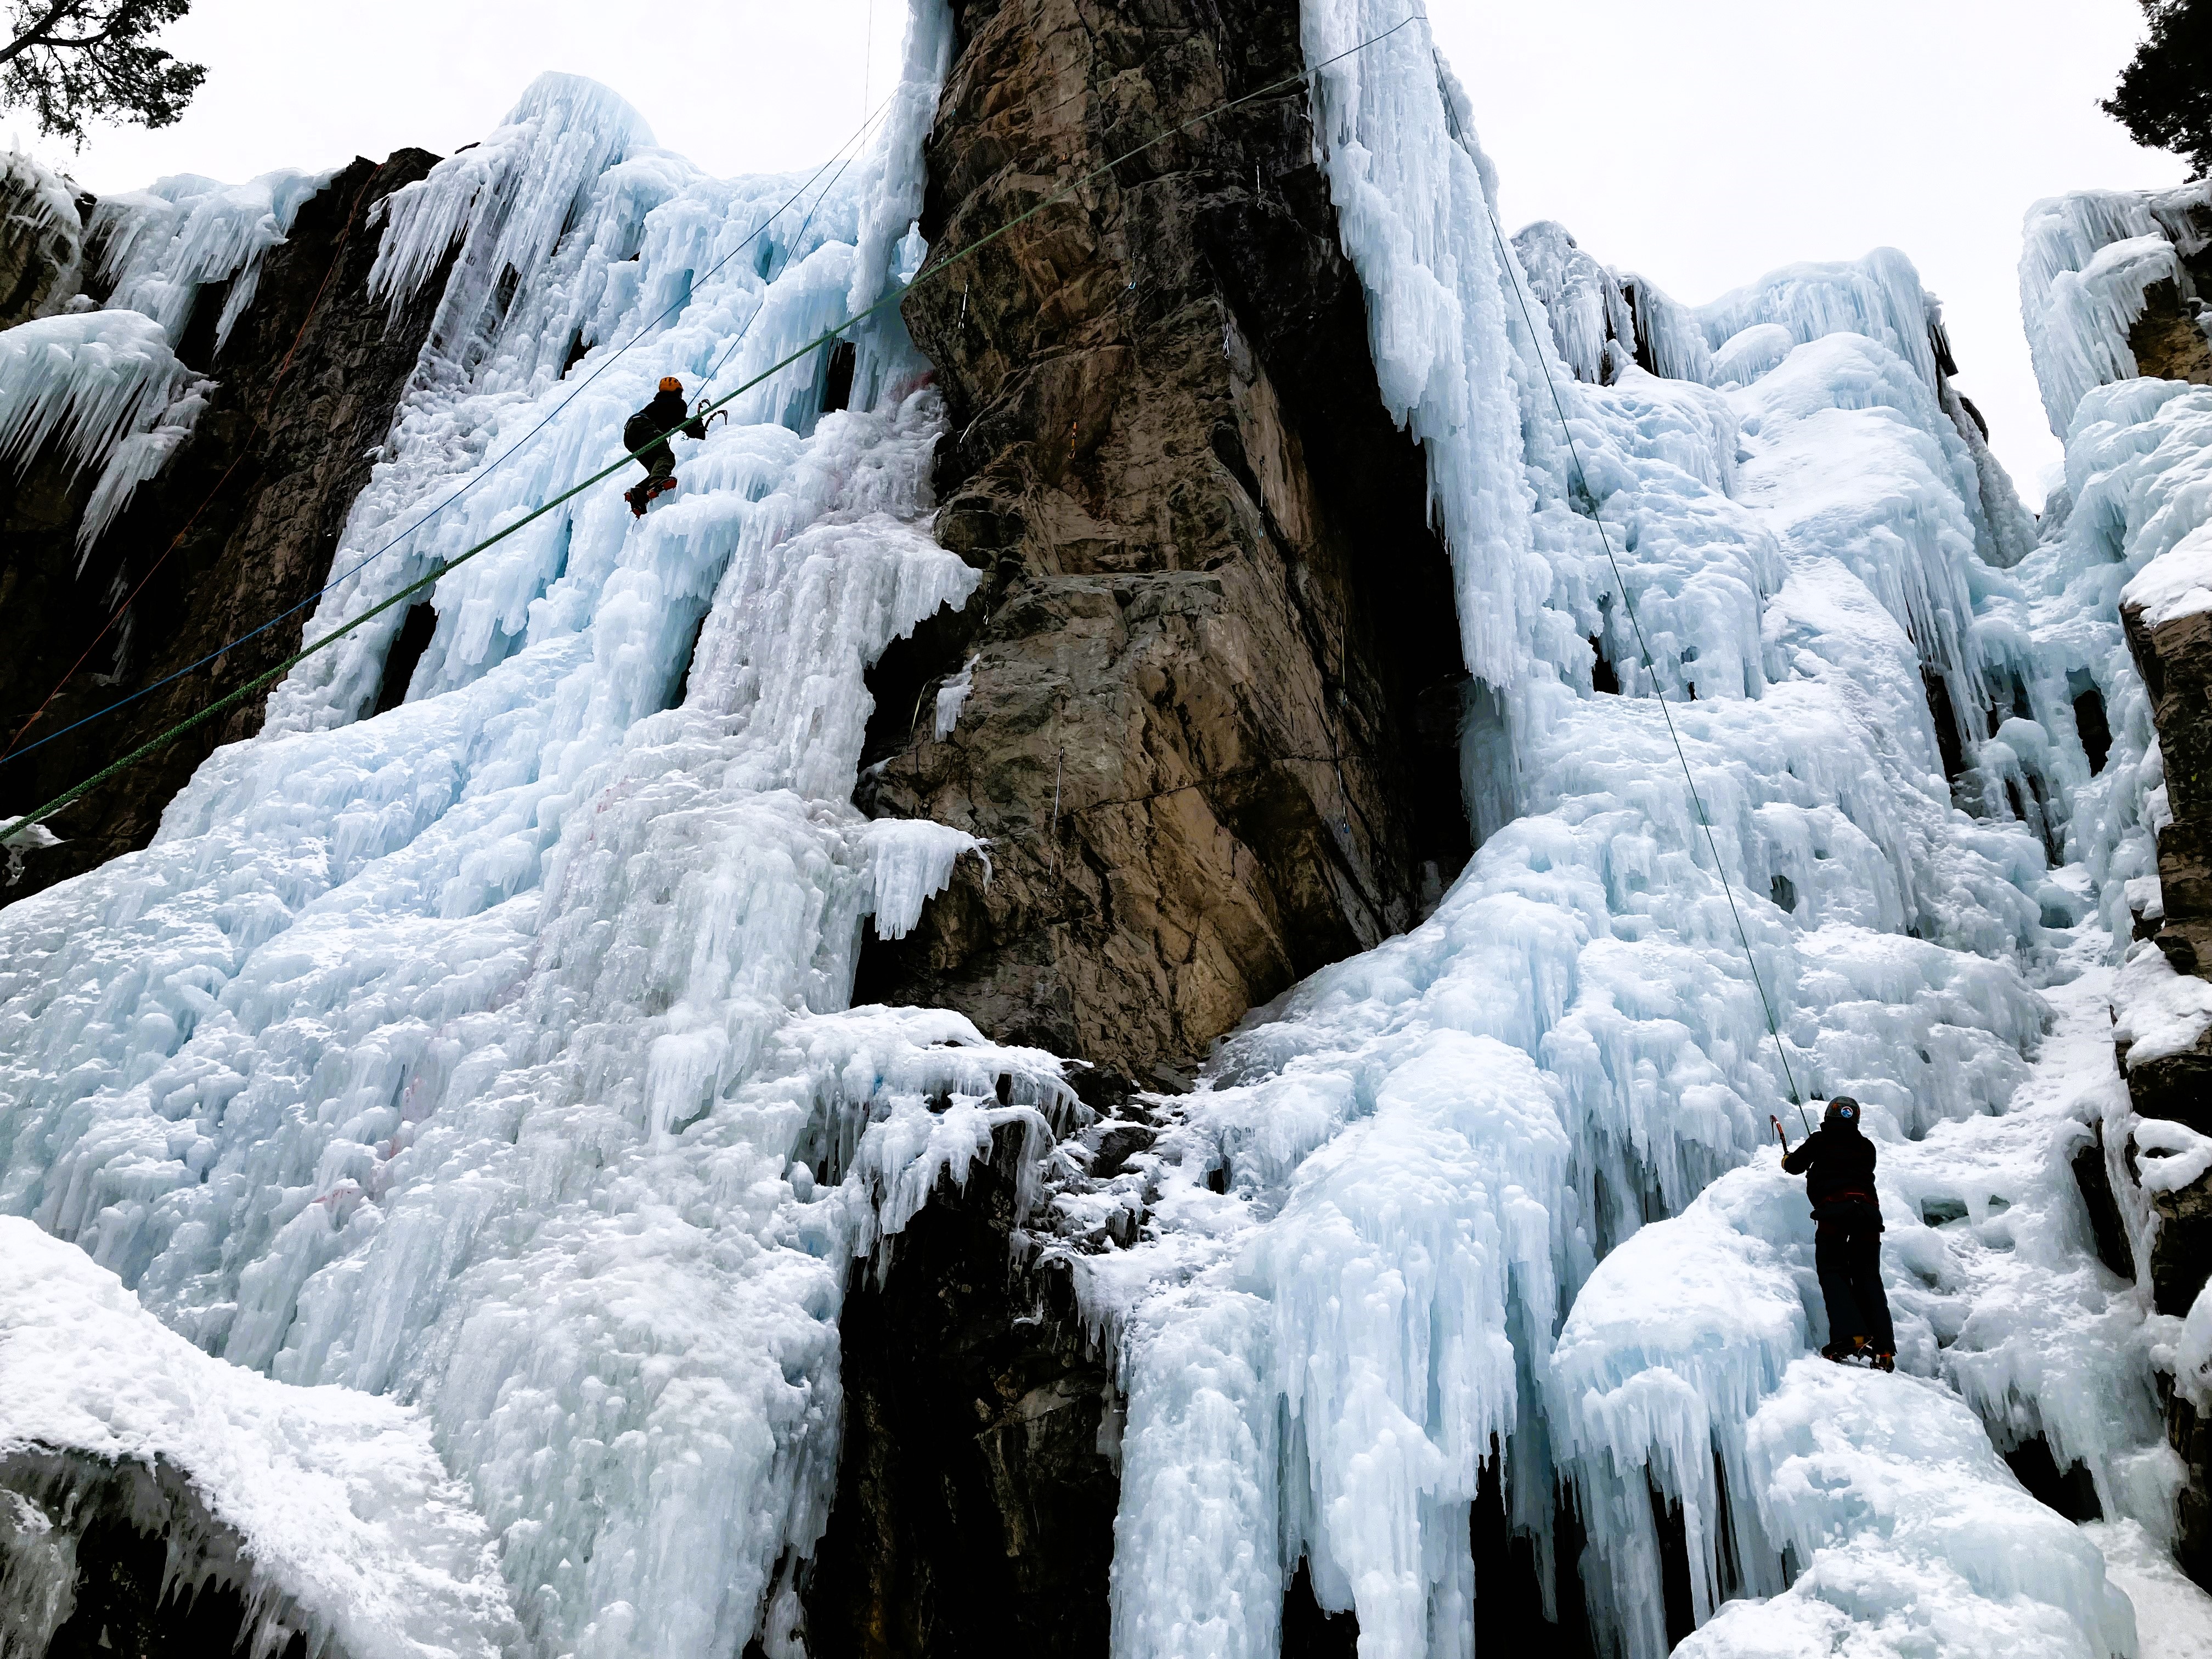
2175 661
239 526
2168 339
41 246
123 1560
1216 675
976 1489
2190 1435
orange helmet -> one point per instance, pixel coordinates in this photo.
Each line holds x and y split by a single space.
670 383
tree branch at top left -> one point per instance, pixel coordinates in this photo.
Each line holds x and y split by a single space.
72 63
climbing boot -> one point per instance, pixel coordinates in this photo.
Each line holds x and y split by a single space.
1841 1355
636 500
1885 1362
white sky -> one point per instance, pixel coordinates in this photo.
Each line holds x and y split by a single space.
1699 144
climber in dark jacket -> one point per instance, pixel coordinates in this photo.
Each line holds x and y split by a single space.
645 435
1837 1161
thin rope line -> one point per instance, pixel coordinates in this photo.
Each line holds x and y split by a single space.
894 297
475 478
1628 602
806 224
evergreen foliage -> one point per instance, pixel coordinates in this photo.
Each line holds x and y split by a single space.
74 61
2165 94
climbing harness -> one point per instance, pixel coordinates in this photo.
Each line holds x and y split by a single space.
445 567
1773 1028
497 461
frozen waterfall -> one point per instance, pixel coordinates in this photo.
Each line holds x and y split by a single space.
477 1080
463 1053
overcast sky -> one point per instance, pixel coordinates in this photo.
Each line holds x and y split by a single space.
1699 144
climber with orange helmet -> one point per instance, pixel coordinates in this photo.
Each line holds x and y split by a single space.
645 435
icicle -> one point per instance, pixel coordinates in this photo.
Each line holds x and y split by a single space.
160 246
86 382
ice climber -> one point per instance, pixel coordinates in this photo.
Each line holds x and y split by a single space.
1837 1161
645 435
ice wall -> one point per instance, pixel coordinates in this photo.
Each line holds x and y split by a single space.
1682 1370
1365 1229
2086 262
2131 512
1914 1537
159 248
492 1052
1600 320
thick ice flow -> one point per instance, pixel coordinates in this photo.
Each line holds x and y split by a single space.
2087 261
493 1052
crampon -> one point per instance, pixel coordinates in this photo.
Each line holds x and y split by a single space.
639 497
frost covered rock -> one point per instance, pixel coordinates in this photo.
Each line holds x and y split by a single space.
2167 608
42 241
325 1509
2161 1020
2096 267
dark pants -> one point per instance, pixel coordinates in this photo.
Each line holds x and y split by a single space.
659 462
1847 1255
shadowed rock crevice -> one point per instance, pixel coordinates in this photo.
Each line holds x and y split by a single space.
977 1485
260 509
123 1560
1214 723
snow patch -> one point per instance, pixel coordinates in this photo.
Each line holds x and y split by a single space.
346 1512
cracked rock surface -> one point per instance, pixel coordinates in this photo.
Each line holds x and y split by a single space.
1216 671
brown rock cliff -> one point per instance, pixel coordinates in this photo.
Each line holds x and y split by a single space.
1212 733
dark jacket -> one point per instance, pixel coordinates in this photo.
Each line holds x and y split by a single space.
664 414
1838 1164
